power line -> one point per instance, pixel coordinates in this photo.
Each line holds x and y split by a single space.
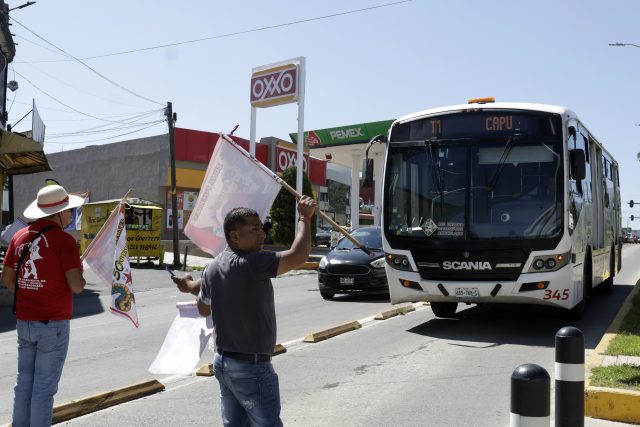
40 107
62 103
86 65
130 116
111 137
97 129
221 36
39 45
78 89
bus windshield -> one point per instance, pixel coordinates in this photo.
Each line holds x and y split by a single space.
473 187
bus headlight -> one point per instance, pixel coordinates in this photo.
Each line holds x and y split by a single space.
544 263
399 262
379 263
323 262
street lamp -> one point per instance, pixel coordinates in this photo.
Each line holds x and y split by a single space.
618 44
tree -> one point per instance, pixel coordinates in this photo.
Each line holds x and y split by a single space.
338 196
284 207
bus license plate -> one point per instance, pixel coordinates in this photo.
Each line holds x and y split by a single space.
467 293
346 280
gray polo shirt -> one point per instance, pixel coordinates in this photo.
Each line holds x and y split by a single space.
237 286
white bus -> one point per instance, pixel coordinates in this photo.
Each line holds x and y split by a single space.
499 203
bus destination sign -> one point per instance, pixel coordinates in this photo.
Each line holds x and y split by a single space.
475 124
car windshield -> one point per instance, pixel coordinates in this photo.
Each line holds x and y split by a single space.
370 237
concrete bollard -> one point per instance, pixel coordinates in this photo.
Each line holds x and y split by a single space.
530 396
569 378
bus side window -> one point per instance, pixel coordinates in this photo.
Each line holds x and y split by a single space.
586 148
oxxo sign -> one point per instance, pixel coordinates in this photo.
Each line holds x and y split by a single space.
286 159
274 86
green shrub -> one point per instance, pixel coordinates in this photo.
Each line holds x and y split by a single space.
284 208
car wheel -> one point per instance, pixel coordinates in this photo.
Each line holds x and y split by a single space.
444 309
327 295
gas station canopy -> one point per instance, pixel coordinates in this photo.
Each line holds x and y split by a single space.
341 143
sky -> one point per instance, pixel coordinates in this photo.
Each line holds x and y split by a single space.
386 60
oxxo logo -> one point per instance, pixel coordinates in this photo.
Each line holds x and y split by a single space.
274 87
346 133
289 159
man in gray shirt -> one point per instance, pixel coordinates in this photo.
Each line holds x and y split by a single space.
236 291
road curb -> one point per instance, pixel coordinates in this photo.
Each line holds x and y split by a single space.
101 401
77 408
607 403
206 370
332 332
308 266
279 349
394 312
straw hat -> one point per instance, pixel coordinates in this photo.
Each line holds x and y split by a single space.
51 199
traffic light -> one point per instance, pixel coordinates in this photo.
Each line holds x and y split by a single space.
631 217
630 203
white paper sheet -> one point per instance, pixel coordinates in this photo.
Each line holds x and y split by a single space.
187 338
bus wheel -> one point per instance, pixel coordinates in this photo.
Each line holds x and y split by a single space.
577 311
607 285
327 295
444 309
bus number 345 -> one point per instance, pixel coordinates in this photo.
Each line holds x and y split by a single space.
555 294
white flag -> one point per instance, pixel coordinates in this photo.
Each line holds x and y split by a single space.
181 351
109 259
233 180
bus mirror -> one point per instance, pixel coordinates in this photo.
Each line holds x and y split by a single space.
367 182
577 163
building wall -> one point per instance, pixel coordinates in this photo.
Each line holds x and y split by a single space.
105 171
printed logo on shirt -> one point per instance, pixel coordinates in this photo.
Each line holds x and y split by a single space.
29 277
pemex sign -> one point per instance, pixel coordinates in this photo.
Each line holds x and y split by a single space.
275 85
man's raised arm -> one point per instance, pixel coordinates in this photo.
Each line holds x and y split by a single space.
301 246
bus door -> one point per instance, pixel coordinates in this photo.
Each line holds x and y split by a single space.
616 204
597 177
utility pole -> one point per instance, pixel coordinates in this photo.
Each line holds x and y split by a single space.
171 118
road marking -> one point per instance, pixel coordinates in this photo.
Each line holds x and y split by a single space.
176 382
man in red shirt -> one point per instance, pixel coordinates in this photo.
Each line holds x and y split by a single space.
50 271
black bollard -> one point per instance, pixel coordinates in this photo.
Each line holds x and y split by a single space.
569 377
530 396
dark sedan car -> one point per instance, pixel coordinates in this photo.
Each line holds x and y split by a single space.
323 237
347 269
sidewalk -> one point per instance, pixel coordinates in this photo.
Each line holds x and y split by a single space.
608 403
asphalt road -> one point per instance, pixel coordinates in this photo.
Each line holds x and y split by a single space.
409 370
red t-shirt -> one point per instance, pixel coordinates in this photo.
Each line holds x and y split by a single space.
44 293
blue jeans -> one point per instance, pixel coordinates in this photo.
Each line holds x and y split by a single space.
249 393
42 350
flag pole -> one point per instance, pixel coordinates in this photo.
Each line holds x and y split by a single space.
111 215
298 196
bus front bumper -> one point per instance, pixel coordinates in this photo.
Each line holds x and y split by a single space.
560 288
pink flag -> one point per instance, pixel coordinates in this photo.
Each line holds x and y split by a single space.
233 179
108 257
